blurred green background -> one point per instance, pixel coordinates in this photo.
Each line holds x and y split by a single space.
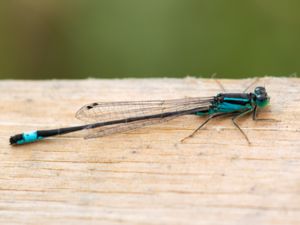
139 38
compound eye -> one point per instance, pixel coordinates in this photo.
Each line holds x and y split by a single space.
261 97
259 90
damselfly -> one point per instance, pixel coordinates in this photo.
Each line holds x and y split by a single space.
105 118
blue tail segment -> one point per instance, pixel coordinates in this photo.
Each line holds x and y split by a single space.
33 136
24 138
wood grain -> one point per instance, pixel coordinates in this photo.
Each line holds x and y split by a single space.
147 176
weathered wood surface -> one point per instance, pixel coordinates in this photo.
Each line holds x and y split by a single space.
148 176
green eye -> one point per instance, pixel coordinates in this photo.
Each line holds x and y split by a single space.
262 103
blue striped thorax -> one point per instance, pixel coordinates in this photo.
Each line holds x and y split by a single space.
232 102
237 102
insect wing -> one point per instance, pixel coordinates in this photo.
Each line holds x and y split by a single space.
124 127
110 111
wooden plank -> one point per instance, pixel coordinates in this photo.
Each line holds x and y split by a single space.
148 176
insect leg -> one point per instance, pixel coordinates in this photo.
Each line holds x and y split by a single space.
220 85
251 84
205 122
234 118
218 82
254 116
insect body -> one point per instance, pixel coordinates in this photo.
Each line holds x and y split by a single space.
235 105
105 118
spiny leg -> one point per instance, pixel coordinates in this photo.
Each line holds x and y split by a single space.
236 124
218 82
220 85
251 84
205 122
254 116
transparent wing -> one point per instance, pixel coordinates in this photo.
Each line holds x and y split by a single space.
109 111
124 127
129 126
